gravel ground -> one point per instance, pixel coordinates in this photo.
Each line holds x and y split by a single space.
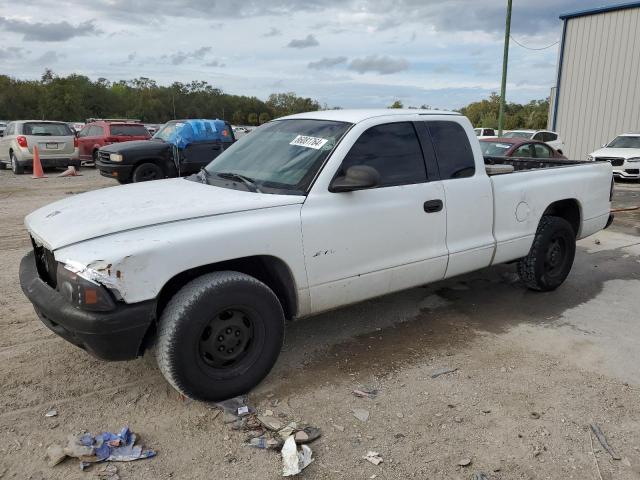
533 371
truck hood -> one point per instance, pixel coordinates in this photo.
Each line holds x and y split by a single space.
132 146
617 152
112 210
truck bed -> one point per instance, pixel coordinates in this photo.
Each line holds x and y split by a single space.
519 164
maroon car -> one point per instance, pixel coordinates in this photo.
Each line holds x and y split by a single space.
517 147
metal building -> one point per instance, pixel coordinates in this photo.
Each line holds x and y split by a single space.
597 93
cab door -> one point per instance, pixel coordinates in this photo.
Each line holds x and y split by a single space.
365 243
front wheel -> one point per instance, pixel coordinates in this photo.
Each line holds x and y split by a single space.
550 259
219 336
146 172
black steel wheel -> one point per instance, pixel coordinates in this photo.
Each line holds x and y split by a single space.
219 336
551 257
146 172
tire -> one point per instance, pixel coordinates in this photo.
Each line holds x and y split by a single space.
197 322
16 167
146 172
550 259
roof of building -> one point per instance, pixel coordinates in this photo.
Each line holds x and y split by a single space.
603 9
359 115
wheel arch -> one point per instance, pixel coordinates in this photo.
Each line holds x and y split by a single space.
569 209
270 270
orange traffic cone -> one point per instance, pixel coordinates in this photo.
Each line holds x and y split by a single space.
70 172
37 166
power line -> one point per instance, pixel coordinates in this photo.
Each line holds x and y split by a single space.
531 48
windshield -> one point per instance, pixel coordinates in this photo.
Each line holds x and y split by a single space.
625 142
494 148
517 135
166 131
46 129
281 155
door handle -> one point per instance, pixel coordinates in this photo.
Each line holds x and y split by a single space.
432 206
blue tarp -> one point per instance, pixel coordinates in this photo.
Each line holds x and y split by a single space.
191 131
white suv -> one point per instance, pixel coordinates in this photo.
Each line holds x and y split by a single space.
550 138
56 142
623 152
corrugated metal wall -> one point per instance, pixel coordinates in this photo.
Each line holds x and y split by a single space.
600 83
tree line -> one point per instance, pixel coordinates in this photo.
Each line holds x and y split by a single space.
76 98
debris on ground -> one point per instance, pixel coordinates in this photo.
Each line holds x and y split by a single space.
361 414
103 447
287 431
465 462
294 460
365 392
603 441
443 371
51 413
265 443
108 472
534 415
242 411
479 476
373 457
307 435
270 423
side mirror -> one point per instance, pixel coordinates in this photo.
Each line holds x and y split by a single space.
358 177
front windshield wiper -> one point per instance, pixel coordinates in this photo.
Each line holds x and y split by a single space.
249 182
203 175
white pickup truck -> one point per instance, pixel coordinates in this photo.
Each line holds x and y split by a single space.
309 213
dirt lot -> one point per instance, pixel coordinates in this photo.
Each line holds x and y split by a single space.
533 371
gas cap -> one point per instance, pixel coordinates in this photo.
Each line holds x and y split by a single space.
522 211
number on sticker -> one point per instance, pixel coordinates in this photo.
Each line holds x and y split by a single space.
309 142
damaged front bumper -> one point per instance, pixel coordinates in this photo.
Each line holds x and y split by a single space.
113 335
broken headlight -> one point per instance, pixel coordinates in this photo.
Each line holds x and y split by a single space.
81 291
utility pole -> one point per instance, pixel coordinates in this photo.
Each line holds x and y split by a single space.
505 63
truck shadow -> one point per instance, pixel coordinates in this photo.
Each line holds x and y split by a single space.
381 335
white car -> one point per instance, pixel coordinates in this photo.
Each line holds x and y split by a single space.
485 132
623 152
550 138
309 213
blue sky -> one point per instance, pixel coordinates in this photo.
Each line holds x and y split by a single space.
348 53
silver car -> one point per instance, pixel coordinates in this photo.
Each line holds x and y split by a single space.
56 142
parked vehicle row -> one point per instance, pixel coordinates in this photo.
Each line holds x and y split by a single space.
99 133
517 147
56 142
309 213
623 152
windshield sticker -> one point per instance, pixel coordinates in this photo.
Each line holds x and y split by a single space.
309 142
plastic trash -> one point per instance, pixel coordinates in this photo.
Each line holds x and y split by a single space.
265 443
373 457
294 460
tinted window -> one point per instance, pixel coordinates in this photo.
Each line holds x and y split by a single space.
542 151
525 150
549 137
453 151
393 150
47 129
489 132
539 136
129 130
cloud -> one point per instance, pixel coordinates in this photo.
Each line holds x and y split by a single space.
383 65
274 32
180 57
215 63
327 62
48 32
11 52
49 58
309 41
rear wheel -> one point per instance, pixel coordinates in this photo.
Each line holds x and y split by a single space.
147 171
550 259
219 336
16 167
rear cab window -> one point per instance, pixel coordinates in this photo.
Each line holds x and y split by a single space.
453 150
393 149
46 129
128 131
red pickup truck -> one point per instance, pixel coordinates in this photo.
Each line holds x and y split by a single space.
98 133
